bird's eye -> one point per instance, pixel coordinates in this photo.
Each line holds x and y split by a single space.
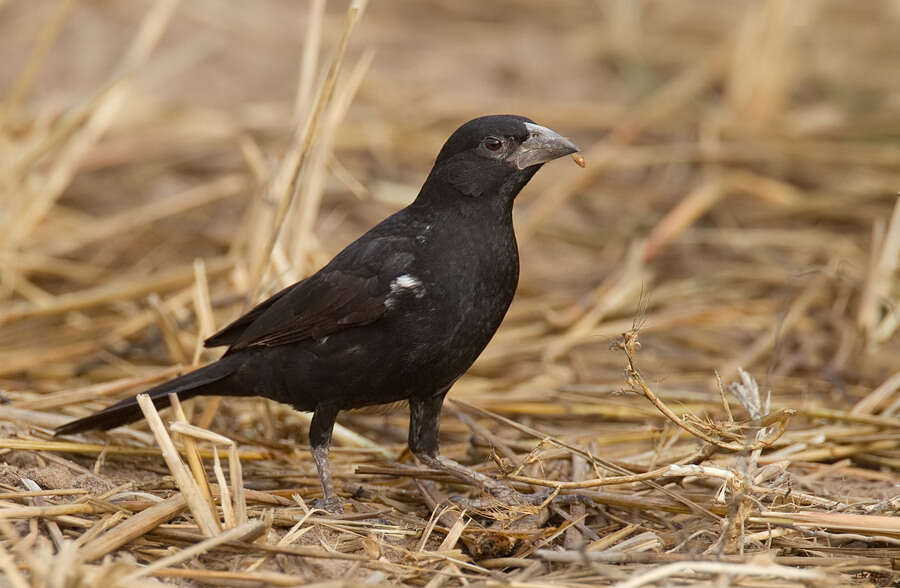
493 143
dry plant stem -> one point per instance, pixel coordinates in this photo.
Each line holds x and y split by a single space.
100 527
537 434
618 289
438 514
281 189
324 552
780 329
25 80
134 527
620 557
95 448
30 361
779 420
666 102
313 187
135 218
686 212
869 524
27 512
29 493
484 432
197 504
734 564
850 417
225 578
206 322
878 396
224 492
169 329
126 289
877 288
52 527
11 571
234 465
674 470
721 389
252 528
692 567
96 124
210 409
312 42
95 391
192 453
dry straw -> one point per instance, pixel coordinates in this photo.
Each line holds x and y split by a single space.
698 378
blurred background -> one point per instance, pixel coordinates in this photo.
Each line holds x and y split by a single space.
164 165
743 165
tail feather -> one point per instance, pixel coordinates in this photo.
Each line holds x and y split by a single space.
196 383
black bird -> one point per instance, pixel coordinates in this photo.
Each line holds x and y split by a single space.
400 314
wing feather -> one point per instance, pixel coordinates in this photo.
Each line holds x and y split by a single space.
232 332
317 307
351 291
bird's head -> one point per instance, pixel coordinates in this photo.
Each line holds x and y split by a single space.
497 155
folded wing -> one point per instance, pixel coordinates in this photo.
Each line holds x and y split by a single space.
323 304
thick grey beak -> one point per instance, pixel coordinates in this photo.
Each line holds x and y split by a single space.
541 146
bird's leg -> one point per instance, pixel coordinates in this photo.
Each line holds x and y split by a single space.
319 442
424 417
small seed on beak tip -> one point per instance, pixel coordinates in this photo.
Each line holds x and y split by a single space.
577 158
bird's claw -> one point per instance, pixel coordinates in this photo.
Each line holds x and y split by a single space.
503 494
332 504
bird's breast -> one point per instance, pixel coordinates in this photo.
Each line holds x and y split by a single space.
452 298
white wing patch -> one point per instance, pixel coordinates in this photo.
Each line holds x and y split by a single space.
406 283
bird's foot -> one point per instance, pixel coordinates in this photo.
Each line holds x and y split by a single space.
489 503
501 494
331 504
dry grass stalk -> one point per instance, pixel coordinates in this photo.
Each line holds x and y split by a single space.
94 448
80 395
191 451
664 103
127 289
874 399
101 115
239 507
885 252
630 343
202 308
134 527
221 577
249 529
726 569
25 80
282 187
315 172
198 506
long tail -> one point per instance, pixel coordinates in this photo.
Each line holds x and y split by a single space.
197 383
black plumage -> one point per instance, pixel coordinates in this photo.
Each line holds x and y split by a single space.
399 314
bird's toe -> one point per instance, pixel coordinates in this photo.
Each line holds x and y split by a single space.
332 504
